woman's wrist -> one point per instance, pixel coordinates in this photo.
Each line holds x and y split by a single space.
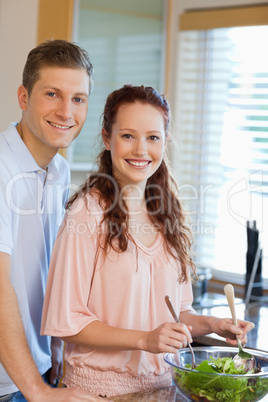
142 340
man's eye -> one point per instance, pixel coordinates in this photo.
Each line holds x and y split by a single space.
78 100
51 94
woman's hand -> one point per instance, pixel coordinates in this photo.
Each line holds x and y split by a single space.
66 395
168 337
224 327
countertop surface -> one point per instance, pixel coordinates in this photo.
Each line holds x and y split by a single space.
168 394
257 312
213 304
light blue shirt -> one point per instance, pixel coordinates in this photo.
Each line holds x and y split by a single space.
31 210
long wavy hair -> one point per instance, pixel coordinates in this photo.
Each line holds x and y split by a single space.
161 193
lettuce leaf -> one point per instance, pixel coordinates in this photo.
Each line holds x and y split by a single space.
203 384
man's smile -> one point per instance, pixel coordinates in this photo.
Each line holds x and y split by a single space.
59 125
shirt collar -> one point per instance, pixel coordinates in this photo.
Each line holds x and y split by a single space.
20 150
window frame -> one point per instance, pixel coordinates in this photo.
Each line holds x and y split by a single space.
188 15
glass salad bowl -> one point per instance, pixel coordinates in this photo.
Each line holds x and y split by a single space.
200 385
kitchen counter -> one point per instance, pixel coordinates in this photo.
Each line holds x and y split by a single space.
257 312
213 304
168 394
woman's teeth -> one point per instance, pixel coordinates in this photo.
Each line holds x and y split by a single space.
140 164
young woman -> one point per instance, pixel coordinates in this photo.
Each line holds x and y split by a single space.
123 246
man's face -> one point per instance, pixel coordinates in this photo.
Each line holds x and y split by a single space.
55 111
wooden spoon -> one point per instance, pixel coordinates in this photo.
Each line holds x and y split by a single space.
229 293
171 309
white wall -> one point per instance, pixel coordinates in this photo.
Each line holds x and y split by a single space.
18 32
18 35
180 6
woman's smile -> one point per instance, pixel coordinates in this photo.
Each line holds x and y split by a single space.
138 163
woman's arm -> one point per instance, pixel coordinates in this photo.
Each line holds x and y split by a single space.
203 325
98 335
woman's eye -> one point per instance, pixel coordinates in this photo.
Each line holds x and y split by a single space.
51 94
153 138
126 135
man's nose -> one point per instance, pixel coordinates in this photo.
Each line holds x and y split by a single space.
65 109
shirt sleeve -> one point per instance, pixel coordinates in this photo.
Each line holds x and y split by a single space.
65 310
66 169
187 295
6 239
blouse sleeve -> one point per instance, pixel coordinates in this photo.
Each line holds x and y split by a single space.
65 310
187 295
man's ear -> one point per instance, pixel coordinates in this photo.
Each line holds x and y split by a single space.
106 139
23 97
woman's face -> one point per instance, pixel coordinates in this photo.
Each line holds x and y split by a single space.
137 143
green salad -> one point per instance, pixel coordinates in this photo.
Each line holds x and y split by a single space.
205 387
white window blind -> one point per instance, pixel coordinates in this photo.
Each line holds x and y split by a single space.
125 42
221 157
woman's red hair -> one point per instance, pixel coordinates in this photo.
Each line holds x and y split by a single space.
161 192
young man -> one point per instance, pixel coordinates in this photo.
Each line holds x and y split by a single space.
34 180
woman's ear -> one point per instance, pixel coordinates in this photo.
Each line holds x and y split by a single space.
105 139
168 139
23 97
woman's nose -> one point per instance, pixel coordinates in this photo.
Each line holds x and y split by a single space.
140 147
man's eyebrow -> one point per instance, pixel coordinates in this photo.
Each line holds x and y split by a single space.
82 94
53 88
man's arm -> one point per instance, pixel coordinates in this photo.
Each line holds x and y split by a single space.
56 371
14 352
15 355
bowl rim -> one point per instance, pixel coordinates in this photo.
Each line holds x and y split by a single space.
254 352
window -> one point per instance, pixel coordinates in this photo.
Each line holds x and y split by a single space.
125 42
221 121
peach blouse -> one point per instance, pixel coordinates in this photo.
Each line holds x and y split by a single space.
125 290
